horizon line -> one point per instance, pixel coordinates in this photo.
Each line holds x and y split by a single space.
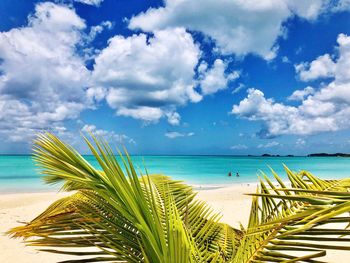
213 155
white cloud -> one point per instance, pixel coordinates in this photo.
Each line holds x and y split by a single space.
342 70
300 142
269 144
278 119
239 88
322 67
325 109
95 30
96 93
342 5
90 2
173 135
236 26
300 95
173 118
42 78
147 77
214 79
147 114
163 78
239 147
45 79
285 59
225 21
309 9
108 135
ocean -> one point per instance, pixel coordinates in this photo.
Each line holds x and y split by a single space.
19 173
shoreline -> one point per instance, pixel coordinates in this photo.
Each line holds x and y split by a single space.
196 187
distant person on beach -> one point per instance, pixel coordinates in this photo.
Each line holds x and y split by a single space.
229 174
237 174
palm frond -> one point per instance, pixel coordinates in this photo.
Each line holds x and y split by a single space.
117 215
299 219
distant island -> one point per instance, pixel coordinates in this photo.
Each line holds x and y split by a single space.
309 155
275 155
271 155
329 155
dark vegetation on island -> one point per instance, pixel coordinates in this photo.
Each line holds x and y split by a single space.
309 155
276 155
270 155
329 155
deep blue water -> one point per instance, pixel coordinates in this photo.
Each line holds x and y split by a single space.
19 174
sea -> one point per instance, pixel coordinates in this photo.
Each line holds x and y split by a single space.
20 174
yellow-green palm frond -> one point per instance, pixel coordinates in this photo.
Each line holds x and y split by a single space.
287 222
115 215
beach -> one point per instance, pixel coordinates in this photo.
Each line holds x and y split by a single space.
131 105
230 201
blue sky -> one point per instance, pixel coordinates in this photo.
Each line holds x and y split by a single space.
177 77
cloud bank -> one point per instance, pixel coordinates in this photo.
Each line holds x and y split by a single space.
147 76
236 26
324 109
42 78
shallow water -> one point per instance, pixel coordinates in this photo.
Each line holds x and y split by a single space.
19 174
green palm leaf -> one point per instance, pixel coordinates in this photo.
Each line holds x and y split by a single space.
126 217
115 215
284 220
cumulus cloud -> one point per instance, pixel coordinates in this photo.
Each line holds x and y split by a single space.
214 79
325 109
300 95
326 67
236 26
90 2
312 116
322 67
173 118
309 9
173 135
147 114
147 77
226 22
42 78
108 135
276 117
95 30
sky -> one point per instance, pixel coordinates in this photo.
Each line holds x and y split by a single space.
211 77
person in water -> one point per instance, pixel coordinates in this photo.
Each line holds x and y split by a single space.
237 174
229 174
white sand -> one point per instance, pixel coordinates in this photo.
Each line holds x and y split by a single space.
229 201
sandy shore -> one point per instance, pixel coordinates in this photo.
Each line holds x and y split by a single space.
15 208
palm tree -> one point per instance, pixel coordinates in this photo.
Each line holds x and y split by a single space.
114 215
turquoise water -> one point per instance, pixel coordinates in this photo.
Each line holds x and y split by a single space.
19 174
